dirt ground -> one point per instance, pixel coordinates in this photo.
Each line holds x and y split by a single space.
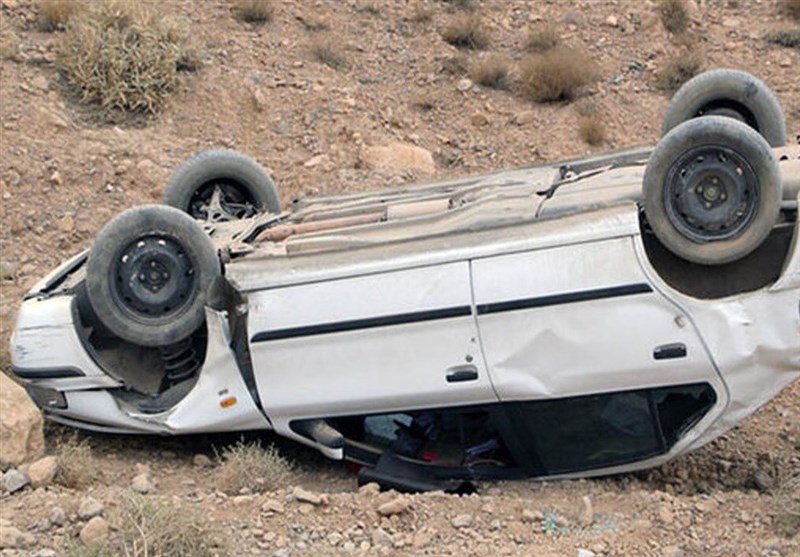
64 171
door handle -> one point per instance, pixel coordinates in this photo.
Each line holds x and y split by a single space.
466 372
670 351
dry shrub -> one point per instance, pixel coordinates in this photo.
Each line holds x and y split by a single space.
326 49
456 65
557 75
422 13
674 15
592 129
124 55
790 38
492 70
77 467
541 40
678 70
467 31
787 505
460 4
54 14
151 527
250 466
254 11
791 8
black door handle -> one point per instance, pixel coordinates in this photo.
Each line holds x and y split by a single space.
670 351
467 372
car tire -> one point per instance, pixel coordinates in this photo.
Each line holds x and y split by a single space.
712 190
731 93
147 275
221 185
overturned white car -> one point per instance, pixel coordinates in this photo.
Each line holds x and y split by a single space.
585 317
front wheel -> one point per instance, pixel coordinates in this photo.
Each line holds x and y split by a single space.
147 275
712 190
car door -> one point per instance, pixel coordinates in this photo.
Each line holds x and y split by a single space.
379 342
595 367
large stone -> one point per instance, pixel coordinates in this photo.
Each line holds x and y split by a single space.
21 433
14 480
399 156
43 471
95 531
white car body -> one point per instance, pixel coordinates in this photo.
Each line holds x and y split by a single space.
476 293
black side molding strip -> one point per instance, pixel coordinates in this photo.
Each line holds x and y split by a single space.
566 298
46 373
359 324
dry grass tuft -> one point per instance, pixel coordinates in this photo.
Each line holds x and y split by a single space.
787 505
557 75
124 55
327 49
467 31
456 65
150 527
791 8
54 14
77 467
254 11
492 71
678 70
790 38
674 15
422 13
250 466
592 129
541 40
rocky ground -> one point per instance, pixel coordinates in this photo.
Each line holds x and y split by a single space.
65 171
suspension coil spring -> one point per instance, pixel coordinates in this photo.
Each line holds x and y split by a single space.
180 361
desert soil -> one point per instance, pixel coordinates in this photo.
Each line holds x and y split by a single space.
65 171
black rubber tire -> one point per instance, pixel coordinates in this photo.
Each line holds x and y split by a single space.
676 180
733 93
241 179
180 261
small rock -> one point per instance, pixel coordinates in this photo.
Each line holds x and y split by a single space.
202 461
305 496
56 179
763 480
612 21
95 531
479 120
66 223
525 117
371 488
40 82
586 517
334 538
14 480
45 553
730 23
13 538
259 100
464 85
315 161
399 156
395 506
272 506
462 521
43 471
57 516
585 553
665 514
8 270
672 551
240 500
142 484
530 517
382 538
89 508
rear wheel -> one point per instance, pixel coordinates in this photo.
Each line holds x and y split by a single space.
712 190
147 275
221 185
733 94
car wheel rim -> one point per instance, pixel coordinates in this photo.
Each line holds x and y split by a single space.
711 194
153 277
222 201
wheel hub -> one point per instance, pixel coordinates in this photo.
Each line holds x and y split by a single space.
153 277
711 193
222 201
